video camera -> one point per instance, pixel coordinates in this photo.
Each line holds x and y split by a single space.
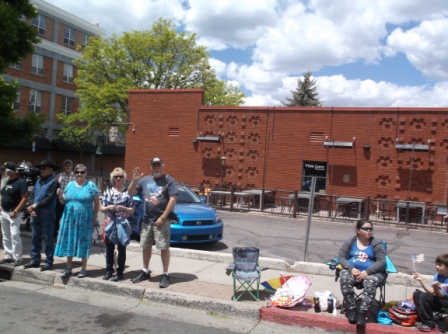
28 173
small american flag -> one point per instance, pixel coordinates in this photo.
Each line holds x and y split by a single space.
418 258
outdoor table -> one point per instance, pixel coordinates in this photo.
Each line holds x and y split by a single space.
442 211
241 195
290 199
412 205
257 192
349 200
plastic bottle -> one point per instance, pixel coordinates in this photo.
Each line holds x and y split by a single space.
316 305
330 304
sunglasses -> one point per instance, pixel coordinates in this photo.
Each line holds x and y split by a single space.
43 168
367 229
80 172
118 176
67 165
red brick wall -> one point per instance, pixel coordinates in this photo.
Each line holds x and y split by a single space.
266 146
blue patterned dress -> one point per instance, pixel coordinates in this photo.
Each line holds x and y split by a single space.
75 232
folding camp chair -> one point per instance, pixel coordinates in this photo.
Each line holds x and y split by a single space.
245 272
442 315
381 300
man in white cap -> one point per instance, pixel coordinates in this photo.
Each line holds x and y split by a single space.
14 196
159 192
63 178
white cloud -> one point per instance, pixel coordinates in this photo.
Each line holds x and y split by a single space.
425 46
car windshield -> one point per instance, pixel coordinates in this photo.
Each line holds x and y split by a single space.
185 195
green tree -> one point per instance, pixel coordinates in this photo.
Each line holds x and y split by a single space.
157 58
16 42
306 94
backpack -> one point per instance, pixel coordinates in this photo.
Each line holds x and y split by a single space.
403 316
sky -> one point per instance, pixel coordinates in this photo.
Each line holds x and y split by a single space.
362 53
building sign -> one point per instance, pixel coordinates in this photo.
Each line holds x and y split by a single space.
318 168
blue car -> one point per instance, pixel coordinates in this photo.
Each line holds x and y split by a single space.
193 220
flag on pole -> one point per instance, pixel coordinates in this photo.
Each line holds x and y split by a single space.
418 258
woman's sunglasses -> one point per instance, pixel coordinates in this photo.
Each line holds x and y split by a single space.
80 172
118 176
367 229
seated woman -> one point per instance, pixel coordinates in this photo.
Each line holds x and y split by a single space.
363 259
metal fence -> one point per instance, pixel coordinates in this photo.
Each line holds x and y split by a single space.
407 214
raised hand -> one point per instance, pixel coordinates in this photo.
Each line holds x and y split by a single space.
136 175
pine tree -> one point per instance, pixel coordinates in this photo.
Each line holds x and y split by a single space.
306 94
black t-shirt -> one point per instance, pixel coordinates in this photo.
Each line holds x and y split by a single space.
156 194
12 193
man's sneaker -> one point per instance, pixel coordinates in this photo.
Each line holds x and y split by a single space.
141 277
425 328
6 261
165 281
17 263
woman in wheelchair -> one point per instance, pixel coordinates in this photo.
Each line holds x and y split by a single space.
363 259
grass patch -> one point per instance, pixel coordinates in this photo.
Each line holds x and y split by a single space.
217 315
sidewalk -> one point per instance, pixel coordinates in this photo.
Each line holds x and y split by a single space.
198 280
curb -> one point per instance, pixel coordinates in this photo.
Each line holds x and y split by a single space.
228 308
301 319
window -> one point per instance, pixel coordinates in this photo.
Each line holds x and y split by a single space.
37 64
69 36
68 73
314 168
40 22
16 103
56 134
17 66
35 100
66 105
42 133
84 40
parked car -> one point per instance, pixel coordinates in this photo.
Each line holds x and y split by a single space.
193 220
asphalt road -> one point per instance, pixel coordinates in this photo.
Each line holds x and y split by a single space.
285 238
31 308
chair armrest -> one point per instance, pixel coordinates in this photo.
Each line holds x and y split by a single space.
259 269
231 266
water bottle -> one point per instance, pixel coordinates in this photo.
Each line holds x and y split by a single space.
316 305
330 304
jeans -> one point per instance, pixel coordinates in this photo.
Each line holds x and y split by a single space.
42 225
12 243
110 248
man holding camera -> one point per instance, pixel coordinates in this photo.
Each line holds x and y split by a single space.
14 196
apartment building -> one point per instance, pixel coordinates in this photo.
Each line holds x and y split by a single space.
47 80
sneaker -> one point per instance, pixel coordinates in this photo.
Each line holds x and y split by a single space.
6 261
141 277
165 281
31 265
425 328
17 263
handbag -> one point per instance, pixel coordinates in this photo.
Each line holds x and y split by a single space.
383 318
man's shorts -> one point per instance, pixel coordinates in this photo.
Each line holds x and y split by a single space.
151 232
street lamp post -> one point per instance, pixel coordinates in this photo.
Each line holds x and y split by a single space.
223 166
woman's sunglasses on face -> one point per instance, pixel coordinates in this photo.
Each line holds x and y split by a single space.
367 229
118 176
80 172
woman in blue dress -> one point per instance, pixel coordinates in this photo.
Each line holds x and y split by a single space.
79 217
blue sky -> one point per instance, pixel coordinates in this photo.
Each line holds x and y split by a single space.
362 53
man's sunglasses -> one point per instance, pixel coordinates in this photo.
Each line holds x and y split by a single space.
43 168
367 229
67 165
80 172
118 176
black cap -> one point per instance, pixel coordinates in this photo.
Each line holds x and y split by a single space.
47 163
156 160
9 165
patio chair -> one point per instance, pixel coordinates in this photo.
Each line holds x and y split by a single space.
246 272
381 300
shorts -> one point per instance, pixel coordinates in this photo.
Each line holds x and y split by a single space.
151 232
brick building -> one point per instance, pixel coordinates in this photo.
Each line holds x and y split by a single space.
47 87
394 153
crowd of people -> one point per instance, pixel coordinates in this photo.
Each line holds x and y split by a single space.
65 207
